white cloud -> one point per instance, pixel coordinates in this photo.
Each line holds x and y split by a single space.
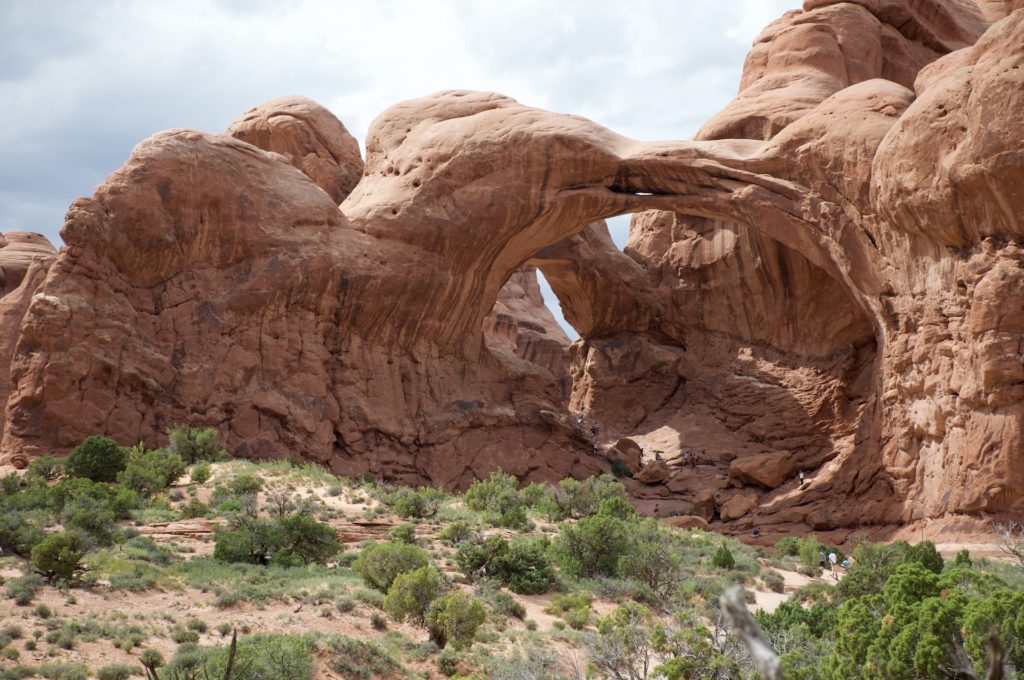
83 81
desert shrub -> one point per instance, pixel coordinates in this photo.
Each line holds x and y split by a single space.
652 558
456 533
195 508
454 618
505 604
723 559
448 662
20 531
23 588
411 593
43 611
201 472
573 498
264 656
47 467
380 563
378 622
498 497
963 559
183 635
195 444
59 670
117 671
810 555
358 660
417 503
150 472
223 629
245 485
403 533
197 625
289 541
521 564
592 546
57 556
97 458
774 581
344 604
617 507
151 659
787 546
92 519
573 608
620 469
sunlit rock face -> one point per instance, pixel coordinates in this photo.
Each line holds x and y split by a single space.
827 278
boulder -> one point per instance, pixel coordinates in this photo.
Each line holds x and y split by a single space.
770 470
737 506
653 473
628 451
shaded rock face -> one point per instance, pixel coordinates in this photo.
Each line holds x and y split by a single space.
832 269
25 258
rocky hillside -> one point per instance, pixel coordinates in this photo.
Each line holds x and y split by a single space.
828 278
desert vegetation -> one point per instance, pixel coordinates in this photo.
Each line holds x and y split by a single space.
229 568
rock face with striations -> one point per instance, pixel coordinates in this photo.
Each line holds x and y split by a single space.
832 270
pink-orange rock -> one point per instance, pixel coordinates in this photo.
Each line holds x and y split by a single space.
769 470
309 136
686 522
653 473
628 451
831 269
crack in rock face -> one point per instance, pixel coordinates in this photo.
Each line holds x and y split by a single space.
826 279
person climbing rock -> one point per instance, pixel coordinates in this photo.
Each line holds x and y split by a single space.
801 475
594 429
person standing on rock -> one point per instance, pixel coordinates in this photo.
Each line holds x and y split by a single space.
801 474
832 559
594 429
686 458
821 560
657 509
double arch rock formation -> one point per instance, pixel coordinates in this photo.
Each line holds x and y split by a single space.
829 276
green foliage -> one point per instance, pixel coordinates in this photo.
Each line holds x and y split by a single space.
573 498
774 581
57 556
592 546
403 533
788 546
23 588
417 503
194 508
59 670
380 563
97 458
245 485
620 469
505 604
686 647
265 656
117 671
617 507
195 444
454 618
574 608
150 472
723 558
963 559
456 533
411 593
521 564
289 541
623 649
46 468
810 555
498 497
652 558
201 472
358 660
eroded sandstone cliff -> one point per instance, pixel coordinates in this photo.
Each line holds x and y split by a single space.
828 278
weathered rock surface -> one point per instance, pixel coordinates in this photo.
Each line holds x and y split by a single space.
25 258
309 136
832 270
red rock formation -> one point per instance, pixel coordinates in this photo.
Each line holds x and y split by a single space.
24 260
831 270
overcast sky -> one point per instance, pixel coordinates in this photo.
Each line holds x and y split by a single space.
82 82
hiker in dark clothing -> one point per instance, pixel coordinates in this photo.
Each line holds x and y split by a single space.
657 455
657 509
593 429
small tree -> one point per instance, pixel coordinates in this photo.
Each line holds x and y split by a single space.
723 558
195 444
150 472
411 593
57 556
623 649
380 563
97 458
454 619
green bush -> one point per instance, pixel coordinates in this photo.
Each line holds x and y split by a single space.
380 563
195 444
787 546
358 660
456 533
150 472
264 656
117 671
288 541
652 558
195 508
573 498
245 485
403 533
97 458
57 556
46 467
23 588
418 503
723 559
59 670
448 663
592 546
505 604
454 618
201 472
521 564
498 497
774 581
411 593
